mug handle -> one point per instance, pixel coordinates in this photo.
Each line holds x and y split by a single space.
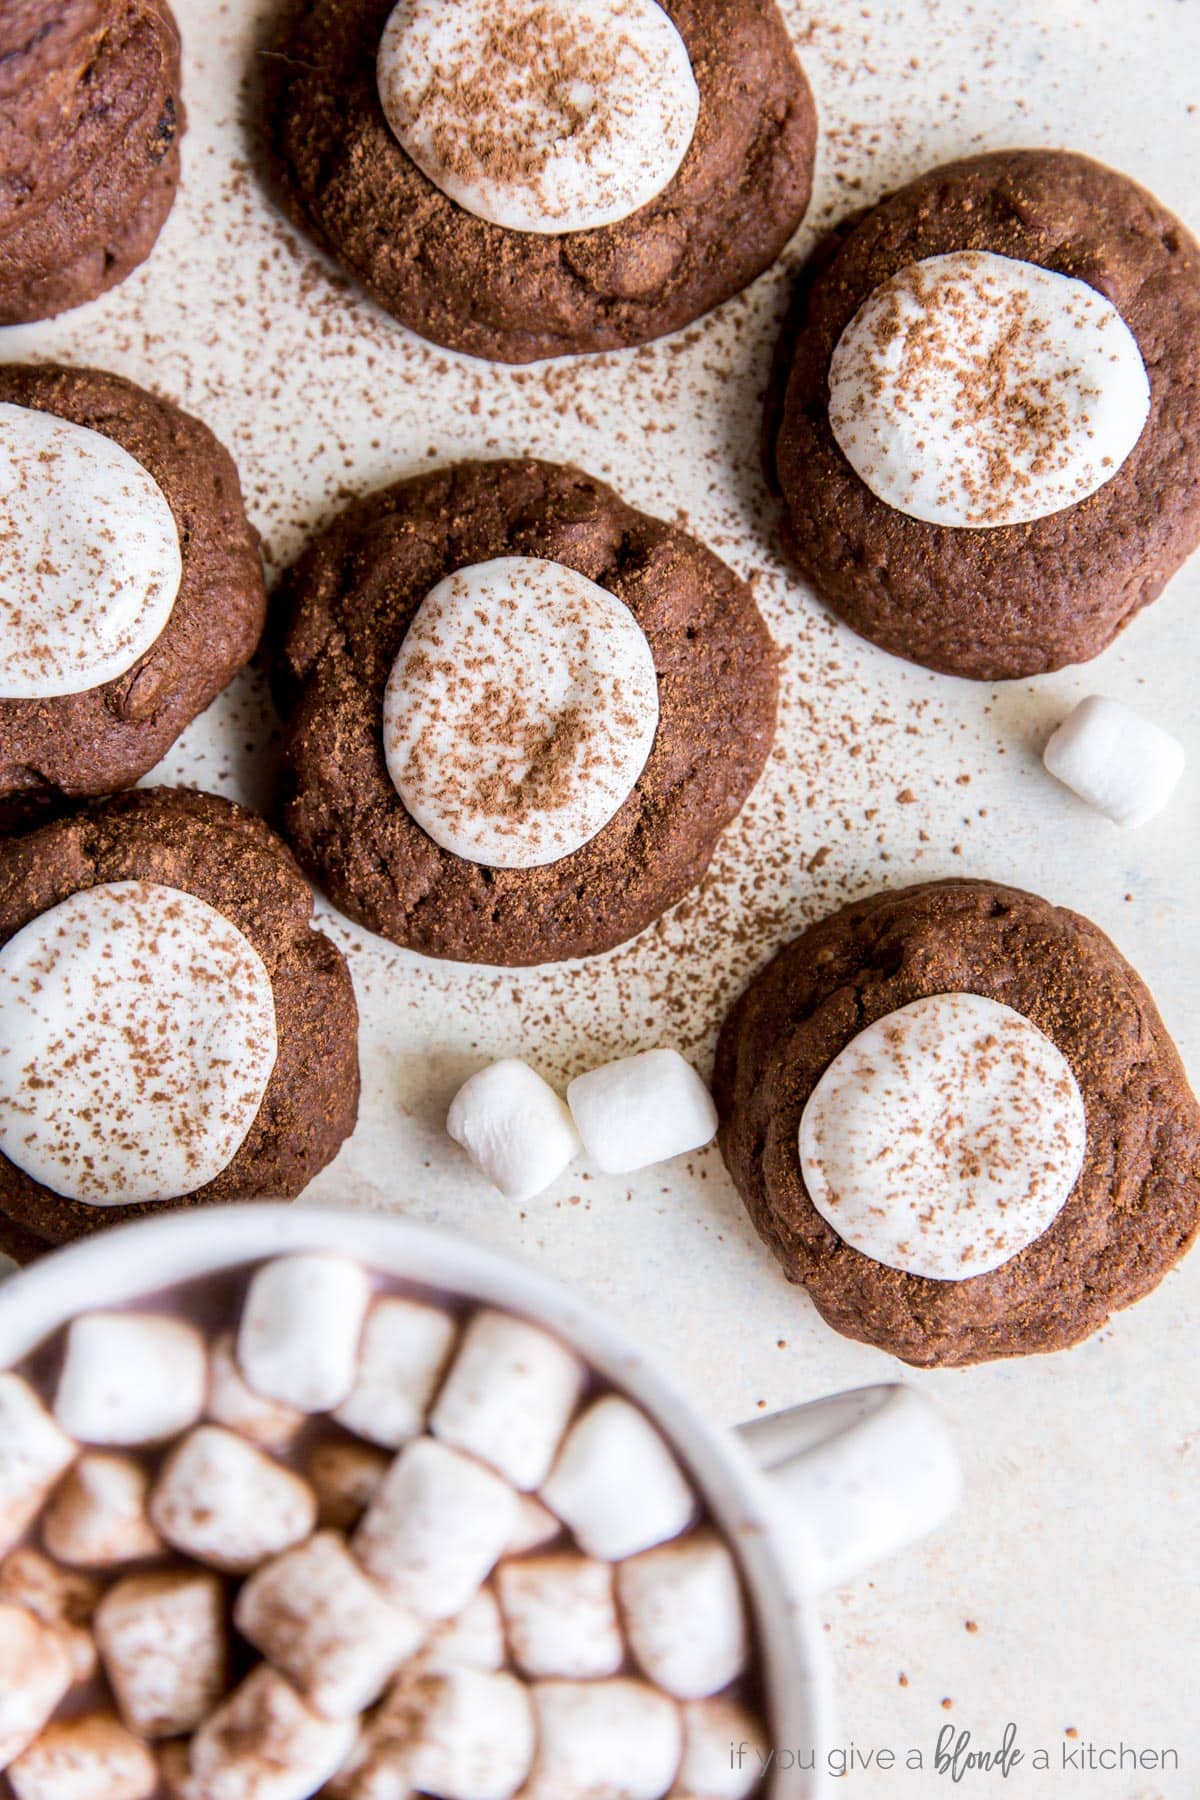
860 1476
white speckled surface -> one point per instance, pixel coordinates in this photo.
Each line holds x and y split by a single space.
1075 1555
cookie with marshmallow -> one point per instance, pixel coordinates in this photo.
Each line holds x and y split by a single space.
536 661
520 181
93 118
981 427
223 1064
955 1115
130 580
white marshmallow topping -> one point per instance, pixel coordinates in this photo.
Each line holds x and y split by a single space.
137 1038
977 390
551 117
90 563
519 712
944 1138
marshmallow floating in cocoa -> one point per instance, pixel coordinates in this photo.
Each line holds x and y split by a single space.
619 1738
320 1621
35 1674
405 1347
725 1751
163 1643
97 1518
131 1378
234 1404
616 1484
560 1615
436 1528
300 1329
226 1503
89 1757
508 1396
264 1743
682 1606
33 1454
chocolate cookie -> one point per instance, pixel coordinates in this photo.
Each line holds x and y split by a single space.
210 848
1016 599
89 147
513 295
66 745
345 610
1135 1207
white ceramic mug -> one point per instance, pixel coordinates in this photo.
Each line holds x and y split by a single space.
807 1497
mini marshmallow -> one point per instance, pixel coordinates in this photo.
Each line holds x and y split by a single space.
536 1527
300 1329
265 1744
724 1751
682 1606
33 1454
616 1484
97 1518
90 1757
603 1740
131 1378
435 1529
1122 764
472 1639
315 1616
642 1110
514 1128
227 1503
63 1599
405 1346
345 1478
162 1640
267 1423
35 1674
560 1615
509 1394
463 1735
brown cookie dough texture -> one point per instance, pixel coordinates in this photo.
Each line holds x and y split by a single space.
516 296
90 122
1018 599
72 745
345 608
209 847
1136 1205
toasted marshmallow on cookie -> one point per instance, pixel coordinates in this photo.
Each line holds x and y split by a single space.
137 1039
944 1138
552 117
520 711
90 562
976 390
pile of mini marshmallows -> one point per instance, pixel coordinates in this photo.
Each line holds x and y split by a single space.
475 1576
627 1115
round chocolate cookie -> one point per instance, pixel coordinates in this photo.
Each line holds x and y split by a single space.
210 848
1135 1206
67 745
1016 599
514 295
345 610
90 121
